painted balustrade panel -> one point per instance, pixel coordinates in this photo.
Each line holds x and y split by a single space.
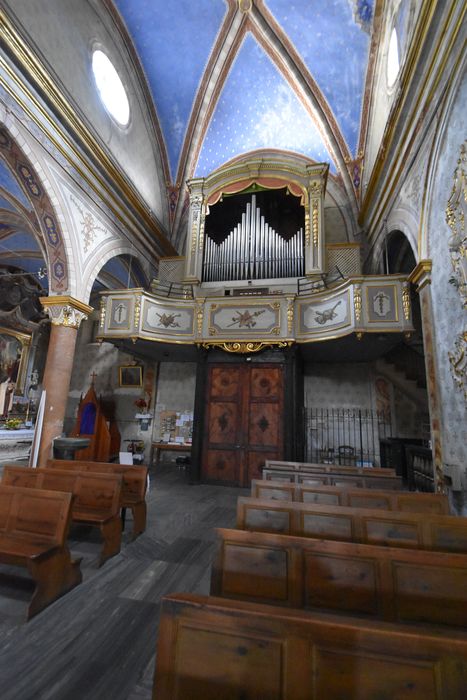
373 304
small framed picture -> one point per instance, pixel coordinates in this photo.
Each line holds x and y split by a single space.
130 375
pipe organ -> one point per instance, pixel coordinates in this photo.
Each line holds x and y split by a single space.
253 249
256 219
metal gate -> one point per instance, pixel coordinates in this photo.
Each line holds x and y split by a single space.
345 435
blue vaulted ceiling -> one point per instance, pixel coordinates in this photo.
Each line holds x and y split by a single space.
258 109
217 94
174 40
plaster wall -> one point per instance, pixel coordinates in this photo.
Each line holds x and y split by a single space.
64 33
450 319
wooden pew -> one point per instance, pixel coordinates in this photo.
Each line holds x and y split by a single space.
327 468
354 498
387 583
211 648
134 484
442 533
34 527
367 480
96 498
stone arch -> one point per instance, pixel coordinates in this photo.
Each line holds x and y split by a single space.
400 220
28 172
106 254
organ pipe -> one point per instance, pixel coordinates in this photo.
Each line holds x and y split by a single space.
253 250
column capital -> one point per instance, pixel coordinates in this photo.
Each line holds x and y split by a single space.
421 274
65 310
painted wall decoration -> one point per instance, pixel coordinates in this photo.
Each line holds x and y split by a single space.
382 304
324 314
253 319
50 227
171 319
121 313
456 213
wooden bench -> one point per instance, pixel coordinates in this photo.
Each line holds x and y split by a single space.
387 583
354 498
96 498
368 480
327 468
366 526
211 648
34 527
134 485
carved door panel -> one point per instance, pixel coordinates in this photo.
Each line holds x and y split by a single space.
265 418
223 425
244 422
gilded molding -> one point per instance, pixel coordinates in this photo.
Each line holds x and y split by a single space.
406 301
421 274
247 347
65 310
458 363
357 303
103 310
315 221
307 227
137 312
290 316
199 317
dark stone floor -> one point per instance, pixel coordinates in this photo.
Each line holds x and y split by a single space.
98 642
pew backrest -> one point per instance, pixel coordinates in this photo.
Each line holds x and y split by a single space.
388 583
327 468
134 478
370 526
354 498
92 491
314 478
44 515
215 648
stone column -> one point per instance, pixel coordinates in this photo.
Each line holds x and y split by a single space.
66 314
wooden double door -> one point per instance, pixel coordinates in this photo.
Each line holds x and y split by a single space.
244 421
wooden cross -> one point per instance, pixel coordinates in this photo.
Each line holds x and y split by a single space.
93 376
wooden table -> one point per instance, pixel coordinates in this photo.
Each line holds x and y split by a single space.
158 447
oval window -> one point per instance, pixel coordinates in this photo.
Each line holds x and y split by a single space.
393 58
110 88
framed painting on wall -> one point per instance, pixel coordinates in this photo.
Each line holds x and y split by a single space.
130 375
14 355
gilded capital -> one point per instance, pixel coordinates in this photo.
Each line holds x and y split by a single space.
65 310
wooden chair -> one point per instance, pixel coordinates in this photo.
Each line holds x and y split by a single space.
96 498
406 501
214 648
386 583
34 526
134 485
95 420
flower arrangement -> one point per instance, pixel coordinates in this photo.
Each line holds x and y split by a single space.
141 403
13 423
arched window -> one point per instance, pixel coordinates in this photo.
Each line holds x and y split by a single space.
393 60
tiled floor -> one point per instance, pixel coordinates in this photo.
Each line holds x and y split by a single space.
98 642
